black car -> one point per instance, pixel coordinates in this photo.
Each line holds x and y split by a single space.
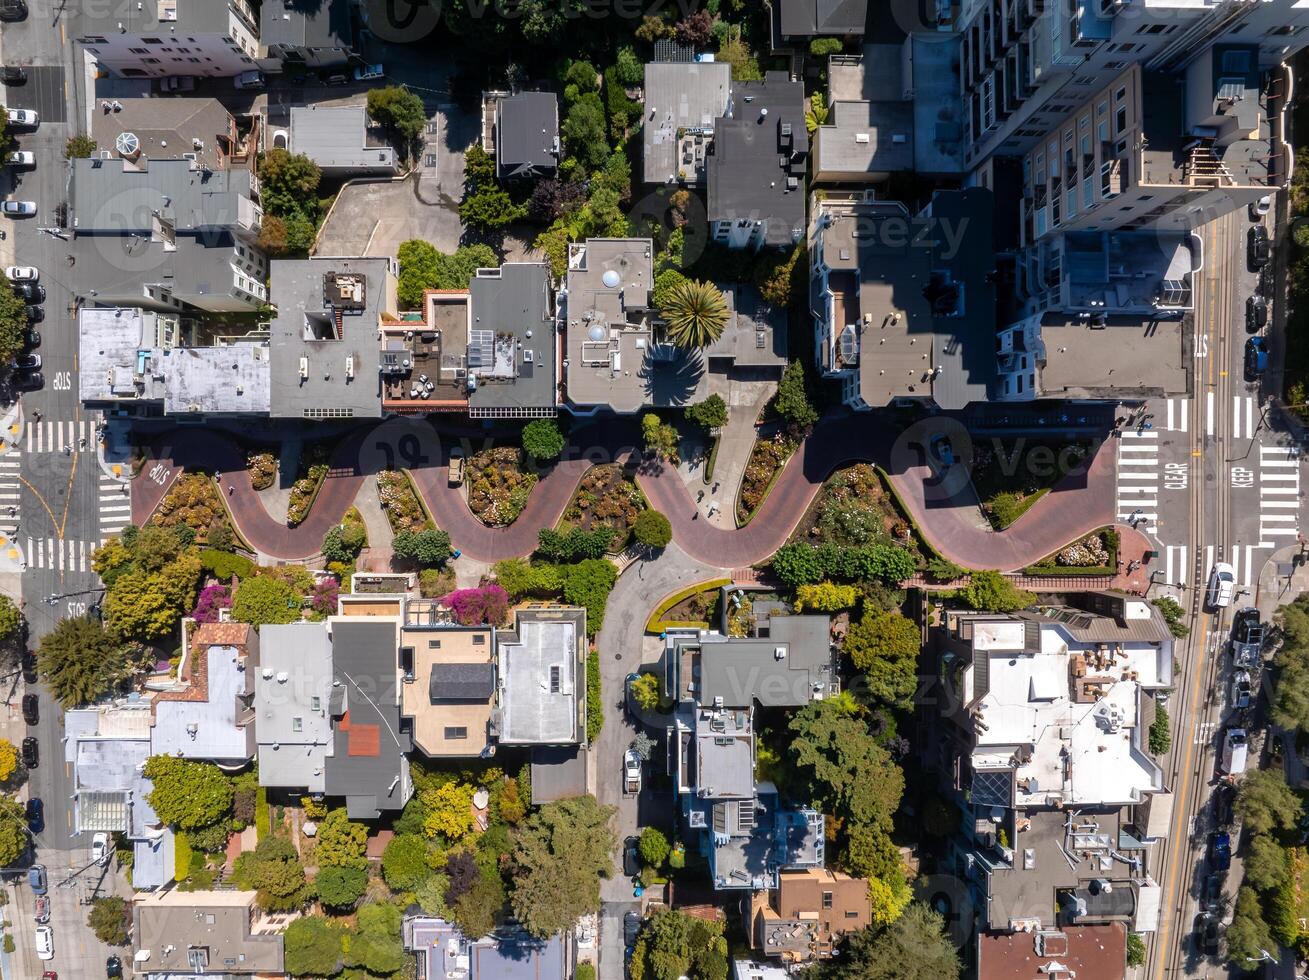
631 927
1257 248
29 667
1256 314
13 74
31 709
1211 894
631 857
35 813
32 291
29 382
1224 798
113 968
31 753
12 10
32 338
27 362
1206 933
35 314
1246 627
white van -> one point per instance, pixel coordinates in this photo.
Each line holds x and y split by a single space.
1234 751
249 79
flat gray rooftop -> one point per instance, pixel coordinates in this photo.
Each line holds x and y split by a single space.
167 128
527 134
724 754
337 139
744 671
1129 356
866 137
306 23
682 96
755 335
116 197
213 726
513 342
292 696
539 682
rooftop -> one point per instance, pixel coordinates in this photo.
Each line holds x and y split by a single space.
808 913
757 169
325 352
542 678
444 951
191 16
755 334
526 134
202 932
425 362
1080 951
166 128
122 196
107 747
512 341
724 753
452 692
865 138
813 18
337 139
753 840
1126 271
208 714
608 336
293 694
683 98
1113 357
789 665
306 23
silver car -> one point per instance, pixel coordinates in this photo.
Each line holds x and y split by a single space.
24 209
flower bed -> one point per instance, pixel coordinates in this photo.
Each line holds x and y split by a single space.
1095 554
304 492
192 501
661 618
262 468
855 508
497 486
605 498
767 458
403 508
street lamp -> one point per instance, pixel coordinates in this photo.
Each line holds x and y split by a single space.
1264 957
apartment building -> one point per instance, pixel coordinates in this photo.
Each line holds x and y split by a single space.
157 38
208 713
308 35
683 102
808 914
204 933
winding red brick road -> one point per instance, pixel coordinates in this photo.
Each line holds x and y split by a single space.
952 524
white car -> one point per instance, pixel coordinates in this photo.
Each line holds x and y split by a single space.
1261 207
1222 586
100 848
366 73
21 158
1241 691
18 208
23 117
45 943
22 273
631 771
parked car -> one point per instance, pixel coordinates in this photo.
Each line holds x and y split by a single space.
13 10
1206 933
18 209
1222 586
1247 638
366 73
41 911
13 74
1236 745
456 466
21 158
1241 690
1224 802
30 291
32 338
335 78
28 382
100 848
35 813
27 362
113 968
177 83
34 313
22 273
31 709
29 667
1211 892
249 80
631 857
31 753
631 771
23 117
1256 358
1256 314
1257 247
45 943
1220 851
36 879
1261 207
631 928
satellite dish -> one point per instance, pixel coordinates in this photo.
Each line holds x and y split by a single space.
610 278
596 333
127 144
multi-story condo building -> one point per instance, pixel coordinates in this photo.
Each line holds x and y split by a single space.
156 38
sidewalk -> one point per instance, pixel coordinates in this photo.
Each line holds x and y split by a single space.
735 442
1281 579
114 451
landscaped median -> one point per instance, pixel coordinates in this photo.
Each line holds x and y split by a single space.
657 624
1094 554
768 458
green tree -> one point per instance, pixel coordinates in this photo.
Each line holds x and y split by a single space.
448 810
821 47
695 314
1248 936
288 184
1290 709
543 440
13 830
885 646
398 110
418 271
629 68
914 947
404 862
709 414
825 597
792 403
273 236
1265 862
652 529
816 112
343 542
8 760
660 437
666 282
429 547
76 147
1161 736
340 888
342 843
1265 803
79 661
264 599
375 944
489 209
654 847
110 919
188 794
1135 949
273 868
645 690
312 947
677 945
479 908
13 322
301 231
148 605
584 131
588 584
10 618
991 591
560 854
581 76
848 772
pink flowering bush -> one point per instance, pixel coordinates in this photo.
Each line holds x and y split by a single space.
323 599
212 598
485 604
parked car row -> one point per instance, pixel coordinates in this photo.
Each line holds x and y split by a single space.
26 368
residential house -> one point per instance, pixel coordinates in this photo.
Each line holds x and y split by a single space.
605 312
306 35
754 337
904 308
208 714
796 22
751 970
201 130
513 366
807 914
683 102
447 698
541 677
755 175
443 951
294 691
525 137
213 933
337 139
157 38
1098 951
325 356
168 235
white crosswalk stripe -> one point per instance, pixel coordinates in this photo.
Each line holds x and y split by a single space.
1175 567
11 491
1279 494
66 555
1138 479
1243 417
114 506
1179 412
77 435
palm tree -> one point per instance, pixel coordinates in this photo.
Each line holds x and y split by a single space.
695 313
